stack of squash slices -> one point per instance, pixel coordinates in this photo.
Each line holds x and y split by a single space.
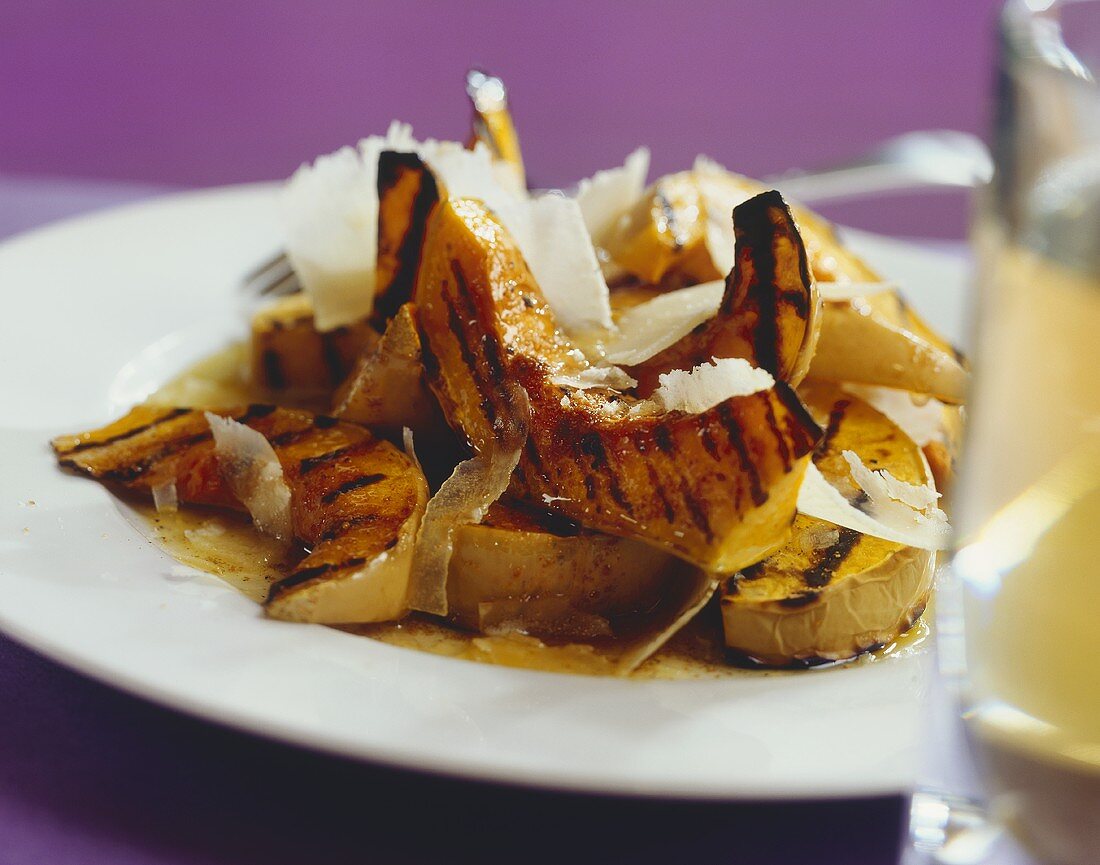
461 470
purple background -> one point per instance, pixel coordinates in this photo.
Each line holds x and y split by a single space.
206 92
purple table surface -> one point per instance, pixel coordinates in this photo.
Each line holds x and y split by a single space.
91 775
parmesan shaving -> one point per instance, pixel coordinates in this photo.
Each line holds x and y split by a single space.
608 195
165 499
920 418
254 474
330 215
463 498
902 524
596 376
410 447
709 384
559 252
881 485
720 197
330 220
653 326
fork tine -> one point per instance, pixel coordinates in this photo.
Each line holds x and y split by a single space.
286 284
278 260
274 276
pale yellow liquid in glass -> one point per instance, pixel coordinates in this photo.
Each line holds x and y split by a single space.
1030 556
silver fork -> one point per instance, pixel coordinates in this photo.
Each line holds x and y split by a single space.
927 160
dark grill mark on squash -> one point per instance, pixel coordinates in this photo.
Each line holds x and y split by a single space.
801 600
133 471
821 572
390 166
696 509
347 486
780 439
836 418
130 433
308 464
662 435
306 574
737 440
659 489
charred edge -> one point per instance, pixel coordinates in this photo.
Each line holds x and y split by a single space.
710 444
533 456
733 430
831 559
592 447
662 435
800 300
255 412
659 489
752 572
308 464
731 586
129 473
272 366
130 433
332 358
801 427
392 164
696 509
409 254
306 574
756 214
590 487
780 438
324 421
347 486
803 599
836 418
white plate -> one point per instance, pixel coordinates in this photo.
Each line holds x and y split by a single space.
100 310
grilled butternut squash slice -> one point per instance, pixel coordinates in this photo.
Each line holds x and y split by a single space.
664 238
716 488
550 575
289 354
407 192
770 309
880 340
830 592
356 501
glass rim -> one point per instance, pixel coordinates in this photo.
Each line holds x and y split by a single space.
1031 34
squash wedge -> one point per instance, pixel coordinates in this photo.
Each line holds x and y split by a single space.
716 488
831 593
356 501
290 356
770 308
